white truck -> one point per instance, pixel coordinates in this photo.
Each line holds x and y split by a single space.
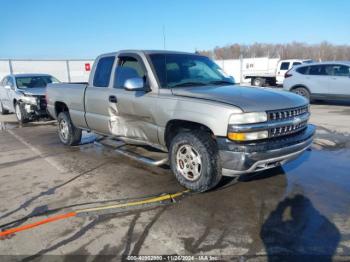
262 73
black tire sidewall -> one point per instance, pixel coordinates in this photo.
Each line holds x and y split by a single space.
74 134
201 142
23 119
2 112
257 82
65 116
304 90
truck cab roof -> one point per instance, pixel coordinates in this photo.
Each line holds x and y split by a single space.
146 52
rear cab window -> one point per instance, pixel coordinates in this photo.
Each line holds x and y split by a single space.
284 66
103 71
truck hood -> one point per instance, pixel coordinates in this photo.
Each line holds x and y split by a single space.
249 99
34 91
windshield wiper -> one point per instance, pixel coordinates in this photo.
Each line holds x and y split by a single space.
221 82
189 84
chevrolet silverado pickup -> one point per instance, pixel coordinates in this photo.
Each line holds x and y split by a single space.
24 94
186 106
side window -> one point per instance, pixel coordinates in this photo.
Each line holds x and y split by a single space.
284 66
302 70
318 70
341 70
128 67
3 81
103 71
296 63
10 82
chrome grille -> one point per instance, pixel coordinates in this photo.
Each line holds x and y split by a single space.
287 130
290 114
278 115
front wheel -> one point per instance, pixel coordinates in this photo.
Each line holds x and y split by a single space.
3 111
20 113
194 160
67 132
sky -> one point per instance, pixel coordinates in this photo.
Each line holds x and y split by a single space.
86 28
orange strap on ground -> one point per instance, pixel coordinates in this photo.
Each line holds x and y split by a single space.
41 222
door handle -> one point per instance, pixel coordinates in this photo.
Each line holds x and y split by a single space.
112 99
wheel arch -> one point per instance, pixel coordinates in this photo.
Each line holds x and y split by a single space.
60 107
174 126
302 86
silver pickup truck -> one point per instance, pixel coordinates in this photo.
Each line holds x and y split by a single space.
184 104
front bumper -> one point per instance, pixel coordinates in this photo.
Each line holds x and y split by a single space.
34 111
240 158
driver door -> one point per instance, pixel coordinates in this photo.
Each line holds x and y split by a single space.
132 113
7 92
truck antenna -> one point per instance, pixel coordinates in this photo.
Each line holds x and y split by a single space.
164 37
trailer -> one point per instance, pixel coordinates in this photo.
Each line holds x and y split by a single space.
270 75
259 71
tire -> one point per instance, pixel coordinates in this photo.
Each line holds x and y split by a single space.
302 91
204 172
21 115
258 82
67 132
3 111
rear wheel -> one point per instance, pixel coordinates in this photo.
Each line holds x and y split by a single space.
194 160
3 111
67 132
20 113
302 91
258 81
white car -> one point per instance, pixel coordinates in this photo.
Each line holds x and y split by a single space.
324 81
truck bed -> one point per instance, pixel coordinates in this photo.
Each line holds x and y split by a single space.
70 94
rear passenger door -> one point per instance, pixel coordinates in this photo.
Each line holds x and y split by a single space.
339 86
97 96
318 79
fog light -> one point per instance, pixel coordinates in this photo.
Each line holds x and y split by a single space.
247 136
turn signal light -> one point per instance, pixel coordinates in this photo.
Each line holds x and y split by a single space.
247 136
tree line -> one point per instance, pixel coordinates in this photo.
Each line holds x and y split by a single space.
324 51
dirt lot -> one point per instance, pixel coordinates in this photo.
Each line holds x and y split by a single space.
301 208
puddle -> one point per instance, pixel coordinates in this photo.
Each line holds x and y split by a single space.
5 125
8 125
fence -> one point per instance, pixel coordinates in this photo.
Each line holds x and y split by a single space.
63 70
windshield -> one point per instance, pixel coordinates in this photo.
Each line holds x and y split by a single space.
34 81
175 70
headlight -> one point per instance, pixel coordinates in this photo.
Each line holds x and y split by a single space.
29 99
248 118
248 136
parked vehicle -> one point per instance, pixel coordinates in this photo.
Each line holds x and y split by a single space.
183 104
327 80
266 77
24 94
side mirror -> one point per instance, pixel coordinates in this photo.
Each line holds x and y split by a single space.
134 84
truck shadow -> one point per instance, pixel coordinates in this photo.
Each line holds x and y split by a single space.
296 231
